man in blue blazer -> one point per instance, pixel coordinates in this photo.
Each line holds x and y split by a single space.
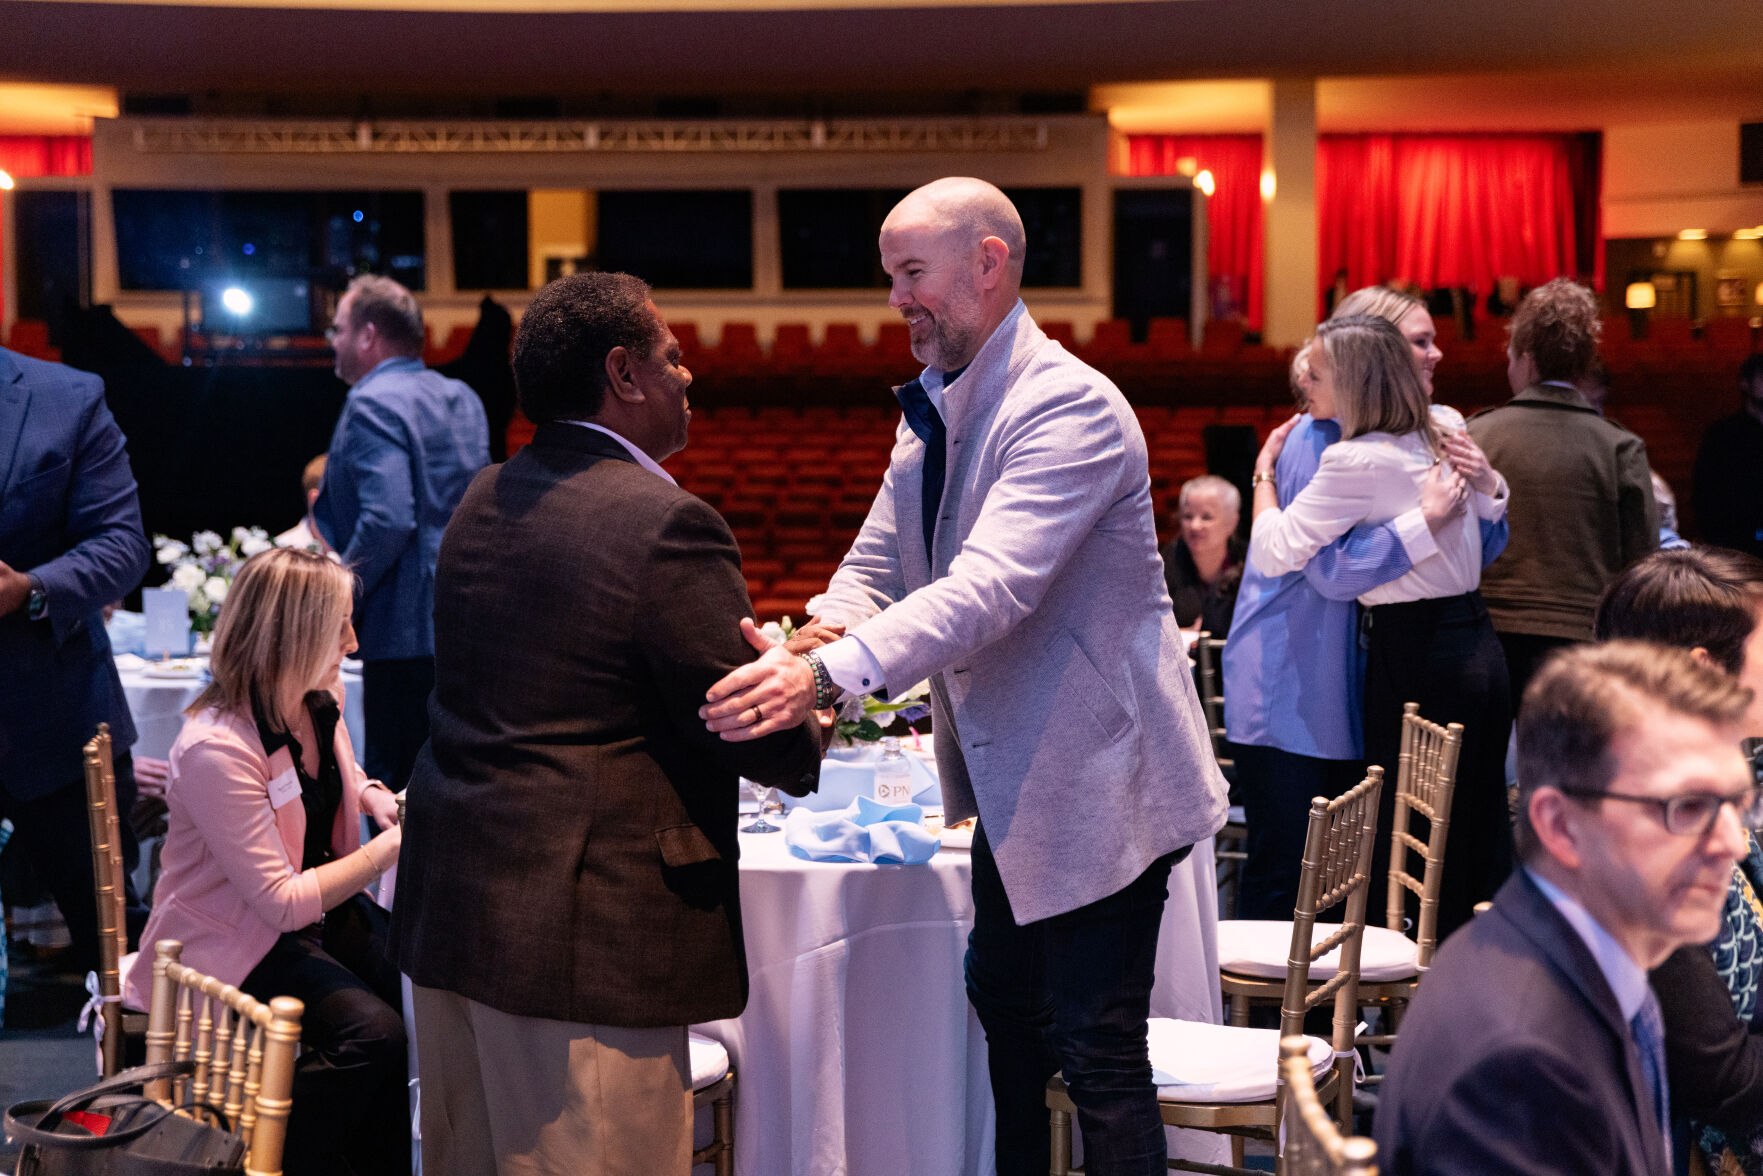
70 543
405 448
1535 1044
1011 559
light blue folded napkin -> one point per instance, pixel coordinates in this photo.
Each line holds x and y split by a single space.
864 831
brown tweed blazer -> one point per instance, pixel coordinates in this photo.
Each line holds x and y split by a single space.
570 849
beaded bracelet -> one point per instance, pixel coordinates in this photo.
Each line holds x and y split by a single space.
824 689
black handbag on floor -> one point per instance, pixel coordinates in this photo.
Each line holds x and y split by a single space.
142 1138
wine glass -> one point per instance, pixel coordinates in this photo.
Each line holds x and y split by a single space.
760 825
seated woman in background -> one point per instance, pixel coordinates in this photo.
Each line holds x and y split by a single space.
1204 565
263 867
1428 638
1710 601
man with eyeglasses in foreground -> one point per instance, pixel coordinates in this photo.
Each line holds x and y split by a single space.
1535 1044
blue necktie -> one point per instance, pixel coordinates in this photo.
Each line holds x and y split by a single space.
924 421
1648 1027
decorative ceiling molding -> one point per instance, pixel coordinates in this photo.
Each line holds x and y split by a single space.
247 137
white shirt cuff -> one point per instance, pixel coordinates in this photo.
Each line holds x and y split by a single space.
851 666
1415 535
1493 507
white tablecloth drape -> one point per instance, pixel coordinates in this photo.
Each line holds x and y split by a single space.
858 1052
157 705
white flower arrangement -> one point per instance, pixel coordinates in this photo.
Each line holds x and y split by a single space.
204 567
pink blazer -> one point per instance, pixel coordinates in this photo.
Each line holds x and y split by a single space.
230 877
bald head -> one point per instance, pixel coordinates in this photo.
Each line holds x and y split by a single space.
953 253
968 211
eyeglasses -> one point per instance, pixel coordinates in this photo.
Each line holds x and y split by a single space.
331 332
1689 814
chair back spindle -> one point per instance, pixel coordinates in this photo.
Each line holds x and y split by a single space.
1336 869
1425 781
1208 653
107 880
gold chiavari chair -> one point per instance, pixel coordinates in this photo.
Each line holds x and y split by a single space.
107 881
1250 968
713 1086
1314 1145
243 1051
1336 869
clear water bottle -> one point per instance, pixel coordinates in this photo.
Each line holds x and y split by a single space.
893 775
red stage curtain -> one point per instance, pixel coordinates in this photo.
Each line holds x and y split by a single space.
1233 211
1454 210
25 156
1436 210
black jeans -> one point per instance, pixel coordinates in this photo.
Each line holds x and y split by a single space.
53 835
1442 654
1277 787
351 1084
395 704
1070 993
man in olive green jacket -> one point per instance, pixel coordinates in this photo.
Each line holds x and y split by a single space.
1582 496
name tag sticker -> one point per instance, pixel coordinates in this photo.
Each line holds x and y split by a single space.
284 788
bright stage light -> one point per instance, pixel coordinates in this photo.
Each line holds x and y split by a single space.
1205 182
236 301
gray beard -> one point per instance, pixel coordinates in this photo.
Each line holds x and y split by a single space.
947 343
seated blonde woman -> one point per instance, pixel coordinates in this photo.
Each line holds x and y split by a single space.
263 868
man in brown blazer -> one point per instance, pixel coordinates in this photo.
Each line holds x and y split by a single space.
568 900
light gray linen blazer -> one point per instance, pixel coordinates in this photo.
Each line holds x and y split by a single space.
1065 713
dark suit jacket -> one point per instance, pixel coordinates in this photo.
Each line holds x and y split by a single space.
1514 1058
1715 1060
570 849
70 517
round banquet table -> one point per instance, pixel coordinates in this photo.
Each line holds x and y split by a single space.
157 705
858 1053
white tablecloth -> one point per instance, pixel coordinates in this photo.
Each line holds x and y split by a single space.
157 705
858 1052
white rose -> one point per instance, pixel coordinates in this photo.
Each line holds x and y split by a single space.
251 545
240 534
215 589
187 577
773 632
169 551
207 542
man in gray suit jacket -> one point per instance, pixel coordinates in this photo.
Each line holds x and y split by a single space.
1011 559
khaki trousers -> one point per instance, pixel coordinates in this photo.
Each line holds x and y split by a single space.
526 1096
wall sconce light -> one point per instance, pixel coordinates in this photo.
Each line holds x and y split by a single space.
1640 296
1746 234
1268 184
1205 182
1693 235
5 181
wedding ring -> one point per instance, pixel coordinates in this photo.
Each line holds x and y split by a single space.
758 715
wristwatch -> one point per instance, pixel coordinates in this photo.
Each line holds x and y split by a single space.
39 600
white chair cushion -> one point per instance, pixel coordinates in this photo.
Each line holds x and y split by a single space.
1258 947
709 1060
1195 1062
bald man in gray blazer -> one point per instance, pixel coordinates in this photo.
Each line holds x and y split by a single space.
1011 559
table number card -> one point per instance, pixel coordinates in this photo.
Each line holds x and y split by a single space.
167 615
